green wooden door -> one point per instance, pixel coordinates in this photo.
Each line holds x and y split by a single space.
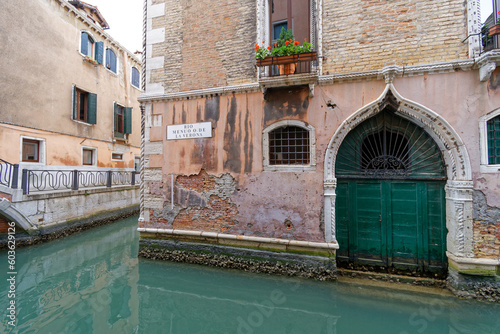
392 224
390 203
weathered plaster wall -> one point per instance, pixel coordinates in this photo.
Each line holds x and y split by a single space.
41 63
64 150
285 204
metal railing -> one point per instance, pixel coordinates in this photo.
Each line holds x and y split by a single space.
8 174
56 180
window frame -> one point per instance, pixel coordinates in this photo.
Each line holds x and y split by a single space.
117 159
93 44
126 123
75 102
264 27
485 167
107 63
41 150
94 155
289 168
138 77
137 163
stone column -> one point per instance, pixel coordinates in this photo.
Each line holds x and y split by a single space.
330 185
459 218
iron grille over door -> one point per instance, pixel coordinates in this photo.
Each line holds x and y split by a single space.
387 146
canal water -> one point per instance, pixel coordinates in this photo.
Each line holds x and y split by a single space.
93 282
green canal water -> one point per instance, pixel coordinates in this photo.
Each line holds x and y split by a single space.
93 282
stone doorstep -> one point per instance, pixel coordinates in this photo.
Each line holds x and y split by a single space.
349 275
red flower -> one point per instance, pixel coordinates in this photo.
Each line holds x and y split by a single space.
269 48
276 44
286 43
257 48
296 43
263 42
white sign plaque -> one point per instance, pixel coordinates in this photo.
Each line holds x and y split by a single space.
189 131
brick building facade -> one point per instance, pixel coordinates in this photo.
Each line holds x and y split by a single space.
295 160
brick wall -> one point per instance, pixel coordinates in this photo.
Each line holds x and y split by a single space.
3 225
207 44
202 203
486 228
360 35
7 196
487 240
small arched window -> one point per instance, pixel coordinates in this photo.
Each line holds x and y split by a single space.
135 77
289 145
87 45
111 60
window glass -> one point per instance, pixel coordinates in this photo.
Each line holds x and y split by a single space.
88 157
119 119
277 29
137 164
117 156
81 105
31 150
135 77
110 60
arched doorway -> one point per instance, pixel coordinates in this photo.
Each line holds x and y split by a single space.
390 197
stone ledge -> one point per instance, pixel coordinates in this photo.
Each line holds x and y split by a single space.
273 244
474 266
67 193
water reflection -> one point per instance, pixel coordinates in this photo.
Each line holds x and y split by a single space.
93 283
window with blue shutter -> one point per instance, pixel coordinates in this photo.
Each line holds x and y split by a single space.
135 77
87 45
84 43
110 60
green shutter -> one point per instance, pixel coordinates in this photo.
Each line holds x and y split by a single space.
127 122
74 102
114 117
99 51
92 108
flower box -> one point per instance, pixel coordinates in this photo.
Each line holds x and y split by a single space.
282 60
494 30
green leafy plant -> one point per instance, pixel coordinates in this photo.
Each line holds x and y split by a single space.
286 45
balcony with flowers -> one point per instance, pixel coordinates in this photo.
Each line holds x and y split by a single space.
287 62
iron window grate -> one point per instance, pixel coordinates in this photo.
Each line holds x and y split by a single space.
289 146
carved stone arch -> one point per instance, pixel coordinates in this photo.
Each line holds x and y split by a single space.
458 170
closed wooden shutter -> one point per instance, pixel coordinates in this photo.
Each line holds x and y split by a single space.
92 109
85 43
74 102
99 52
127 126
